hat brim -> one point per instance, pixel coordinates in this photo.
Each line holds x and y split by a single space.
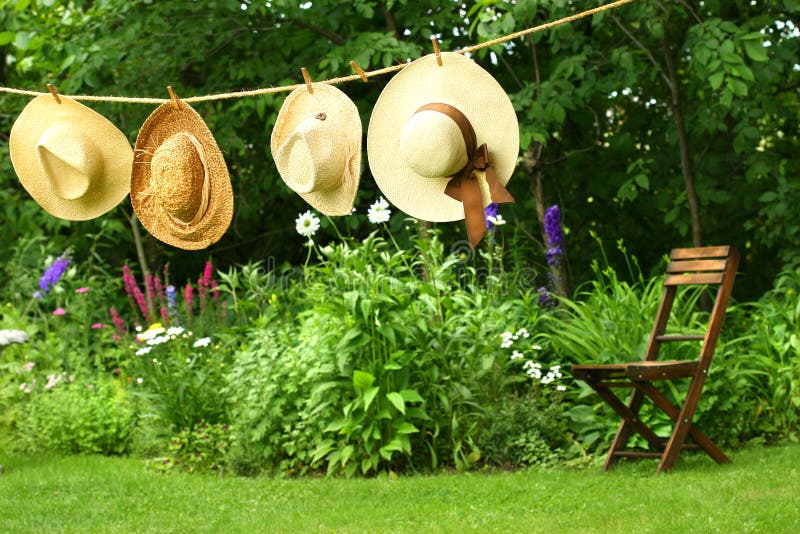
167 120
462 83
337 106
106 191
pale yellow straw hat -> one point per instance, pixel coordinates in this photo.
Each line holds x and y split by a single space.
414 153
180 187
316 145
69 158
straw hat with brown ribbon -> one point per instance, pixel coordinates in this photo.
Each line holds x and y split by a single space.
316 144
71 159
180 188
443 141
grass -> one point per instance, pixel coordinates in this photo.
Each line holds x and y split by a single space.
758 492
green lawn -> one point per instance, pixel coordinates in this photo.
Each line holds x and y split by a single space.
758 492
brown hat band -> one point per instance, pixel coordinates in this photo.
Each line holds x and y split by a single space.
464 185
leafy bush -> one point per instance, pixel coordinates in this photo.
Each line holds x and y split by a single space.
386 361
198 450
75 417
770 359
277 407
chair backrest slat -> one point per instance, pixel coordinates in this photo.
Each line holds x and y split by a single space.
684 266
695 278
699 252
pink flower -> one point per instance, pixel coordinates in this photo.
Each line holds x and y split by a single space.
208 272
59 311
119 324
29 366
98 325
82 290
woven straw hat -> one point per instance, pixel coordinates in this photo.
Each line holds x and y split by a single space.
69 158
180 188
316 144
414 153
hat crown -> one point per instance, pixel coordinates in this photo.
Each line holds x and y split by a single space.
432 145
180 178
311 158
70 161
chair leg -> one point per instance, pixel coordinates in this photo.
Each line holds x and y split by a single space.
630 422
674 413
683 424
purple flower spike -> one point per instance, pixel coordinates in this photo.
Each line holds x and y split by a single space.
554 234
54 273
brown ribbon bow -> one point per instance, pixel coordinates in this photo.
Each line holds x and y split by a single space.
464 184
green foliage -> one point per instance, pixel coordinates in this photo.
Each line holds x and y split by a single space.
277 408
199 450
67 416
772 359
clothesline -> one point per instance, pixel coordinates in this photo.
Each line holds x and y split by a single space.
360 75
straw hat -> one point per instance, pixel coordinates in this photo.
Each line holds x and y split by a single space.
316 144
180 188
69 158
415 153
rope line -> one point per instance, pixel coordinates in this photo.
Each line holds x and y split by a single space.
331 81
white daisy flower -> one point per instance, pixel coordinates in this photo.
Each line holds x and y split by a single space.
158 340
202 342
307 224
143 351
379 212
175 330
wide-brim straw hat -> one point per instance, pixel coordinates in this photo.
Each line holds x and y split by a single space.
316 145
69 158
413 156
180 187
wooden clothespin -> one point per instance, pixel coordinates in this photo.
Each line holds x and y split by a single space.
435 42
173 96
54 92
359 71
307 79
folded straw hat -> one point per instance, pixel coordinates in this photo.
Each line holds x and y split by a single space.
69 158
419 138
316 145
180 188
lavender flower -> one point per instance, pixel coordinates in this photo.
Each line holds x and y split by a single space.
554 234
490 212
545 299
53 273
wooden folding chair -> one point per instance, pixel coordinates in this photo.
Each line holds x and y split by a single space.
687 266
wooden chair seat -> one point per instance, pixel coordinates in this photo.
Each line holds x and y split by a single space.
693 266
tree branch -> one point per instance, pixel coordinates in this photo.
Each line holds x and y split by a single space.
335 38
391 22
644 49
